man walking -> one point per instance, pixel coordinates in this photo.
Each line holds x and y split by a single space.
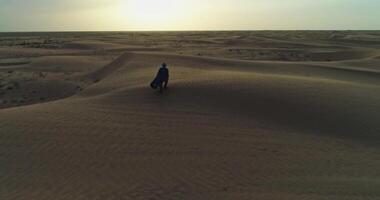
162 78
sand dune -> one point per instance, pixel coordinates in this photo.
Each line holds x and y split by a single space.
91 45
225 129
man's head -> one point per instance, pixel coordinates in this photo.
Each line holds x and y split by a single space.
164 65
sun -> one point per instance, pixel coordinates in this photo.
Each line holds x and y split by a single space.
152 12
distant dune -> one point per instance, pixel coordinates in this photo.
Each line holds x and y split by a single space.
248 115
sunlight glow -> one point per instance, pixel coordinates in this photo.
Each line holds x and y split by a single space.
154 13
147 15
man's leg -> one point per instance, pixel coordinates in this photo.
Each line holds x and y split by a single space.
161 87
166 84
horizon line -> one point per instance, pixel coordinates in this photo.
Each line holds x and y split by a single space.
194 30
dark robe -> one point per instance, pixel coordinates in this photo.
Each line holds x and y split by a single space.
161 77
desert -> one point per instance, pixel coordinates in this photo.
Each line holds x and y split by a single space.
247 115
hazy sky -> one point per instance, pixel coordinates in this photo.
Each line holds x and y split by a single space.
60 15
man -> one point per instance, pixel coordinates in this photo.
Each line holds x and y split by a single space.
162 78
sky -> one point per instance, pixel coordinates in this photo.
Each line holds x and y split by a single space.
141 15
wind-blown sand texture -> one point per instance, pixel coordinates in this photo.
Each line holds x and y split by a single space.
248 115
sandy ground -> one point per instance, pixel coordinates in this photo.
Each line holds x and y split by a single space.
248 115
